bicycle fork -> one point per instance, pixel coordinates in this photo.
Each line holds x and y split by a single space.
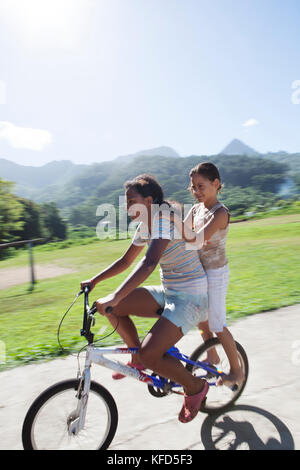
76 419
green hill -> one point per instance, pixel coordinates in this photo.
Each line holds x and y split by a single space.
250 181
103 183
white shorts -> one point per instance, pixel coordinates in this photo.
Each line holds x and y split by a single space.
217 289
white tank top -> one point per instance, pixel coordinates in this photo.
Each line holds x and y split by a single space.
212 255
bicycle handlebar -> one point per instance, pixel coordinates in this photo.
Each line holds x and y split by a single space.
93 310
88 318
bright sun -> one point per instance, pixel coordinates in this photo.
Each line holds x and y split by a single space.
48 22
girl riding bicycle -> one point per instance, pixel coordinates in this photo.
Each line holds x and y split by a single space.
181 299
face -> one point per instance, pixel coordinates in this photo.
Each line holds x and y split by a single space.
137 205
203 189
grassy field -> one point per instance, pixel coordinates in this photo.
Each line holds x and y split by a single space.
264 274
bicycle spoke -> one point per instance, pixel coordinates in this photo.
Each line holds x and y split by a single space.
218 397
50 423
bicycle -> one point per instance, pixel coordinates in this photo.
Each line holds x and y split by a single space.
60 417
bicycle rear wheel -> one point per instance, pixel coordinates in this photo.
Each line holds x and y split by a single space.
218 398
47 422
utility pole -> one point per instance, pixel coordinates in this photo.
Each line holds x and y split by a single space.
30 250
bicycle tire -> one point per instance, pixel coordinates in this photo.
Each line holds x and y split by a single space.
58 388
206 407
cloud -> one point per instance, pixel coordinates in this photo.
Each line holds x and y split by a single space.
250 122
24 137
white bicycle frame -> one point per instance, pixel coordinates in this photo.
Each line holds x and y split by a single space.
96 356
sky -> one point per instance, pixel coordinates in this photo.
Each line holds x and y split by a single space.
90 80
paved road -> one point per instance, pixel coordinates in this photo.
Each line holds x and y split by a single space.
267 415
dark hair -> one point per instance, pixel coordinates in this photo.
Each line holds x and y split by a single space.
208 170
146 185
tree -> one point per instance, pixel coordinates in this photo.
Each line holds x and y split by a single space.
33 226
11 211
55 225
268 183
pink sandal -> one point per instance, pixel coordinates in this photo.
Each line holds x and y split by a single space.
192 404
118 375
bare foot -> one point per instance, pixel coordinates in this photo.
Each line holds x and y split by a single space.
231 379
212 358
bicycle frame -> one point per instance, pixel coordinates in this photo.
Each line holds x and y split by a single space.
75 394
96 355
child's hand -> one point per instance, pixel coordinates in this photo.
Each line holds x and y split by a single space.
110 300
88 283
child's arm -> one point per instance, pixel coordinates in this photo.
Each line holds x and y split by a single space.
219 220
116 267
143 269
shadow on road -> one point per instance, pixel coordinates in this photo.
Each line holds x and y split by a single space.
245 427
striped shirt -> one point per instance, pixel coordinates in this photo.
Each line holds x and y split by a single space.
180 268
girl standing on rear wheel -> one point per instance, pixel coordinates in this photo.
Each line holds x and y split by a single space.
181 298
206 226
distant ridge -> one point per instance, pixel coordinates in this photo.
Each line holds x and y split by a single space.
237 147
33 180
55 172
86 186
155 152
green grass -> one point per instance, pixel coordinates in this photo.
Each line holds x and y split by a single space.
264 275
264 265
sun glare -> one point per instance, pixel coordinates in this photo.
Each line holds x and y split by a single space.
48 22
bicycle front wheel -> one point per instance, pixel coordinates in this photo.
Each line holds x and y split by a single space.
218 398
48 420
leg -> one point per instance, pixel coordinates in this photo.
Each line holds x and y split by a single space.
205 331
162 336
212 355
236 375
139 303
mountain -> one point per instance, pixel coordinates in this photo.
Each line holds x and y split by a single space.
155 152
30 179
79 196
70 184
43 182
237 147
56 172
